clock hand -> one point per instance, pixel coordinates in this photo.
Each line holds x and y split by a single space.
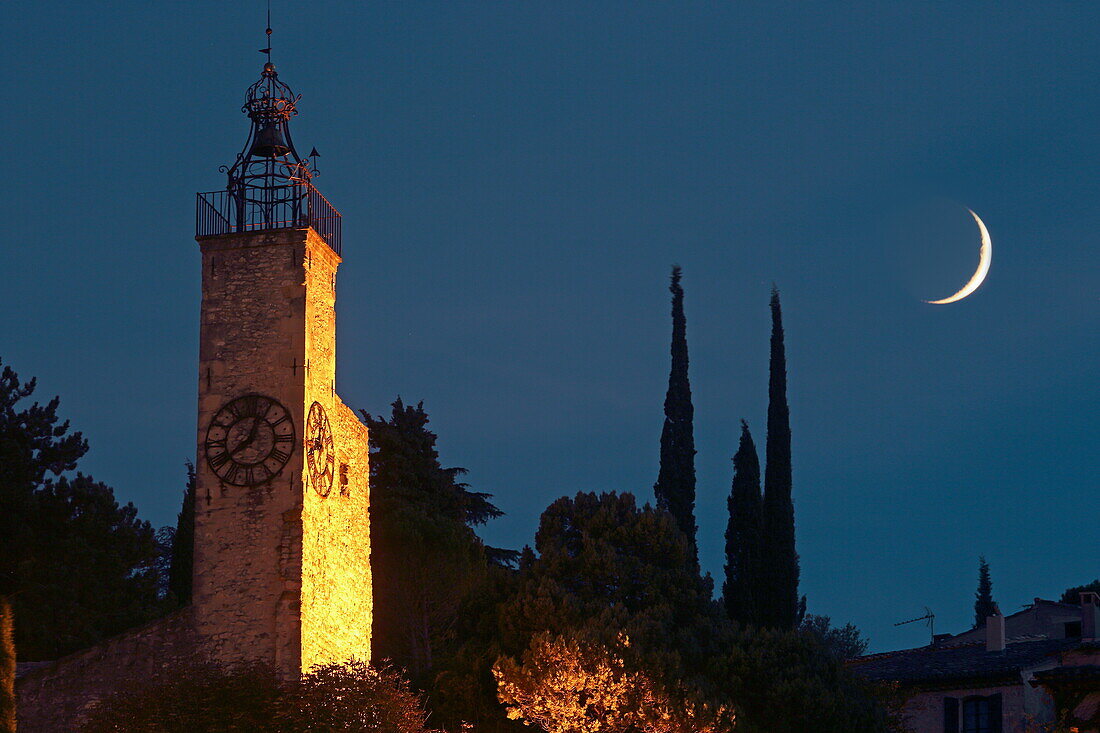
247 441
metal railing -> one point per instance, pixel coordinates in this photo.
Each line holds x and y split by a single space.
255 209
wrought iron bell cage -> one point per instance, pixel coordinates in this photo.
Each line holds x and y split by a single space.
269 185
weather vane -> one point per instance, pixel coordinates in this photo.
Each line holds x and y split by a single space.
268 49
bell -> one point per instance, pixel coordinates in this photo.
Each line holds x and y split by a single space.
269 142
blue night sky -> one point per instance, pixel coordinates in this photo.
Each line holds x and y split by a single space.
516 180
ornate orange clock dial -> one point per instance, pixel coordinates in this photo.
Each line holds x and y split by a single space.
320 454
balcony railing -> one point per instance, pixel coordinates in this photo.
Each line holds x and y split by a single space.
292 206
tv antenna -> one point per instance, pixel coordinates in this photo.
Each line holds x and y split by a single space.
928 616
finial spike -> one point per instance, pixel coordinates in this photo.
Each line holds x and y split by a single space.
268 32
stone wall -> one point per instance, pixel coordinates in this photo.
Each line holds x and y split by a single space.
1022 707
336 579
282 572
247 572
336 582
54 697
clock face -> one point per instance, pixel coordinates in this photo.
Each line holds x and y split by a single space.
320 455
249 440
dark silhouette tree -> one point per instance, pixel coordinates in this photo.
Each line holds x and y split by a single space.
1073 595
786 680
610 578
744 534
85 566
426 559
675 487
984 606
603 568
779 603
843 642
183 545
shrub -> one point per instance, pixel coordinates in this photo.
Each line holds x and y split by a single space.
349 697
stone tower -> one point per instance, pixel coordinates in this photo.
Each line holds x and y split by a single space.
282 548
282 536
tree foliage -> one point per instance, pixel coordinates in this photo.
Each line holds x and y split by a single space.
182 548
568 684
984 605
604 570
1073 595
85 567
352 697
433 577
603 563
744 535
779 604
675 487
464 691
842 642
784 680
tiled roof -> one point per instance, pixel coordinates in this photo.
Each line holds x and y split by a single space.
1069 674
971 661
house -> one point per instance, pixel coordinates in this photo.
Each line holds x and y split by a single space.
987 681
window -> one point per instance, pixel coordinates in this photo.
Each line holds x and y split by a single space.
976 715
1073 629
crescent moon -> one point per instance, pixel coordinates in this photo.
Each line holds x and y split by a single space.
985 256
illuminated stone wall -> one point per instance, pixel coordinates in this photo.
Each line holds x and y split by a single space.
336 584
336 581
282 574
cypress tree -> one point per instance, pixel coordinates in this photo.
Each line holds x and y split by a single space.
984 606
779 603
675 487
743 534
183 545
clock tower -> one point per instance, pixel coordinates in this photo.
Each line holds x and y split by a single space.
282 542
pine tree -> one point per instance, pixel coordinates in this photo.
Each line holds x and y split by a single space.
183 545
779 604
675 487
984 605
743 534
85 564
425 557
